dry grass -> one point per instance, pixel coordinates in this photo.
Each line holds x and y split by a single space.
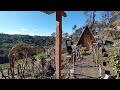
6 66
111 49
117 22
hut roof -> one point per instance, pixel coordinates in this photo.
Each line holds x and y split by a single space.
82 34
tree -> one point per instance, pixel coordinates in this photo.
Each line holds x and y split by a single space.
106 18
53 34
74 27
65 35
77 33
8 41
90 18
116 18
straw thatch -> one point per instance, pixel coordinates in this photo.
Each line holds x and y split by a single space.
116 23
112 33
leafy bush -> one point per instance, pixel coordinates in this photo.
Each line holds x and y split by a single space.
41 56
114 59
117 43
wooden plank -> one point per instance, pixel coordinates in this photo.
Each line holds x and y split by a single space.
58 43
51 12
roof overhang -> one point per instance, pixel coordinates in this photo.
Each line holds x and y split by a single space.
48 12
51 12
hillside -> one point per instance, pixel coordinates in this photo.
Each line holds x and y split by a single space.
7 41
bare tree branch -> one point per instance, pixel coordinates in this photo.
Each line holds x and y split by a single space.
93 19
90 16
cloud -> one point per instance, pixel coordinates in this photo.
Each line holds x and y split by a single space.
15 32
24 29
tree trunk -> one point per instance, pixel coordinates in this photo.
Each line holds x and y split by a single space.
26 62
93 20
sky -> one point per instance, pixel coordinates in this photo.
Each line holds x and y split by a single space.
38 23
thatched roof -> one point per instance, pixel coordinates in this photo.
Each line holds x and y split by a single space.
116 23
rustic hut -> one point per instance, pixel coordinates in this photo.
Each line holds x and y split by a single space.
86 38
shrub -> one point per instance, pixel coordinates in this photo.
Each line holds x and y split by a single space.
114 59
41 56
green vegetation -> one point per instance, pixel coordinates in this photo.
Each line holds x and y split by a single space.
41 56
114 60
117 43
7 41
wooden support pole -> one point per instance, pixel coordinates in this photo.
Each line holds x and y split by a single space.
74 59
118 51
58 43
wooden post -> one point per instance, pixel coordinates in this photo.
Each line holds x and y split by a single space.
118 51
58 43
100 71
74 59
97 56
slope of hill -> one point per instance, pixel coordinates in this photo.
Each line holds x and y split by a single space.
7 41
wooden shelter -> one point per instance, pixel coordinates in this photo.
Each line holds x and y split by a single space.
85 38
